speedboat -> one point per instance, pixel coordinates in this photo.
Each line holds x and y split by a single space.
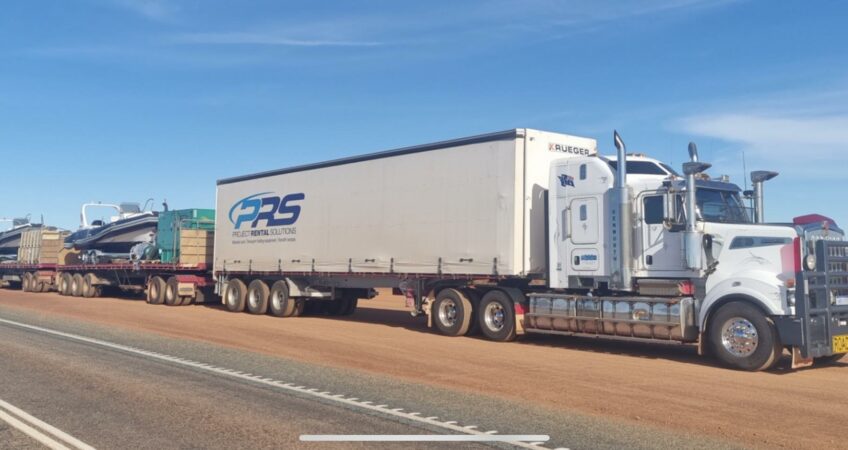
102 240
10 239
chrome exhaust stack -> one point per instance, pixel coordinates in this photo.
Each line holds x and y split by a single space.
692 237
758 177
623 280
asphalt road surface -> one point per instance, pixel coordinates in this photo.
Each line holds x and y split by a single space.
118 373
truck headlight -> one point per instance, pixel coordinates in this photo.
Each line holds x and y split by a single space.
810 262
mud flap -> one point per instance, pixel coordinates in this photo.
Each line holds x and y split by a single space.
798 360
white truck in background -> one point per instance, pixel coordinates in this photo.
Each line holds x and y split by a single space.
526 231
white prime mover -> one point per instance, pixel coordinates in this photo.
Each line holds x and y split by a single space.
527 231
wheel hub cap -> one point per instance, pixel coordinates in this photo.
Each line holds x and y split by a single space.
494 316
739 337
447 312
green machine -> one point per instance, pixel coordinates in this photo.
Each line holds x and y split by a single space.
171 225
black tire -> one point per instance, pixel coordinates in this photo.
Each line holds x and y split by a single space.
257 297
89 288
235 295
473 296
829 360
26 282
496 316
172 292
77 285
65 284
452 312
742 338
279 302
156 290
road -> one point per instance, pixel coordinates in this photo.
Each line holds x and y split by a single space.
583 393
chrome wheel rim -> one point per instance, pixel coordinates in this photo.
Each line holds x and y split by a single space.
447 312
253 299
739 337
494 316
277 300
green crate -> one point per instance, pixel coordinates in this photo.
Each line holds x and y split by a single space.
170 224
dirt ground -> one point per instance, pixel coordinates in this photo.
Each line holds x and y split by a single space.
661 385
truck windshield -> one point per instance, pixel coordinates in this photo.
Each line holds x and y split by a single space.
722 206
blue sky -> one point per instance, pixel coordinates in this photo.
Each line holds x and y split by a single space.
118 100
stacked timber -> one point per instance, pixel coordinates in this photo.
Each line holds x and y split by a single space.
41 245
196 246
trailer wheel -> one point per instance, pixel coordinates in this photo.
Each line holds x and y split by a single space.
26 281
452 312
496 316
474 297
77 285
187 299
65 284
172 292
279 302
742 338
156 290
89 286
234 295
257 297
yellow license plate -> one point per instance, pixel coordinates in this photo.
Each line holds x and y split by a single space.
840 344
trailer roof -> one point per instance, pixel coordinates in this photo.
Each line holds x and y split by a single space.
490 137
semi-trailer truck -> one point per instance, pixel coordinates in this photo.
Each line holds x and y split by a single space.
525 232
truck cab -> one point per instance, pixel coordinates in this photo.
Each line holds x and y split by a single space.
637 256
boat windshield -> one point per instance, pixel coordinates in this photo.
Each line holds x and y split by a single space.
722 206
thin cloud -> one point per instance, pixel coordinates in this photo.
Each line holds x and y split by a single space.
269 39
790 135
159 10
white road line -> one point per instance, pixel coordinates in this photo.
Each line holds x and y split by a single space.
421 438
20 417
365 405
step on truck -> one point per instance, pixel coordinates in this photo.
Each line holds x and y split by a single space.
533 232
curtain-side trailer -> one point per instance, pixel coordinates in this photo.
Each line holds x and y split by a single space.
452 213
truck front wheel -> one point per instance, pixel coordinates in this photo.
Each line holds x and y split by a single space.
742 338
496 316
452 312
235 295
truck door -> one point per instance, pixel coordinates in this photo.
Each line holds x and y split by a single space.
662 249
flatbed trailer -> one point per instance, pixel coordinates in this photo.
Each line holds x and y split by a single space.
28 277
169 283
